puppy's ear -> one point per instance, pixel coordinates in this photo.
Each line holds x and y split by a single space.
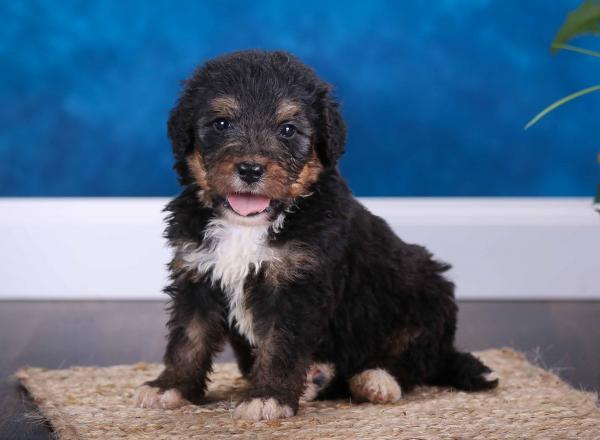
181 132
331 129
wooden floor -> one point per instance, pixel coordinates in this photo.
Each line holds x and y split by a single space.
563 336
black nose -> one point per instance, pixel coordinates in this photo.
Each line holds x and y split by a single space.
250 172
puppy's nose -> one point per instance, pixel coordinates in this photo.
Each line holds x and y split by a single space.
250 172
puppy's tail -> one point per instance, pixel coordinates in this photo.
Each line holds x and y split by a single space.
464 371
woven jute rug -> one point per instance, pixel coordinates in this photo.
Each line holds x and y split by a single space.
97 403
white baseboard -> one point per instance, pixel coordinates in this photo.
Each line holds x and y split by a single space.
112 248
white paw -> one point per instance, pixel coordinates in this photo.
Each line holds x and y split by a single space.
492 375
261 409
151 397
318 377
376 386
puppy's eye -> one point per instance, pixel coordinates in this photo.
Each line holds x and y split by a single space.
287 130
221 124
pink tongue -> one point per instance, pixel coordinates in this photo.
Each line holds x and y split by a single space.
246 204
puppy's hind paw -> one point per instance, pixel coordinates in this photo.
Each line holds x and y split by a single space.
491 376
262 409
376 386
318 378
151 397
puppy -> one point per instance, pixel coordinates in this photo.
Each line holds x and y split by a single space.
316 295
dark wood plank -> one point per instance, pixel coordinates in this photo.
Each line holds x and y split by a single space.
559 335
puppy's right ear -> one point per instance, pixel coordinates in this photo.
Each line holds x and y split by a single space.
181 132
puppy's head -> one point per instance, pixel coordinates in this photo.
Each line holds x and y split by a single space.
254 130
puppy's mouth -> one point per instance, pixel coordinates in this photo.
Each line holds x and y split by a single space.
247 204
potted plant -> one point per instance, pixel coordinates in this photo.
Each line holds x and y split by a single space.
582 21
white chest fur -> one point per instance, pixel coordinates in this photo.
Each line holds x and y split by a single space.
229 253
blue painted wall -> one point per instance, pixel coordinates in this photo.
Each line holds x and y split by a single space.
435 93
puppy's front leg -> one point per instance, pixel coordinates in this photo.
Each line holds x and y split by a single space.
278 378
283 356
196 333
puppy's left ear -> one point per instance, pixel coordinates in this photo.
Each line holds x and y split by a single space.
331 129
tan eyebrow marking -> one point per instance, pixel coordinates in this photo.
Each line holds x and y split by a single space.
286 110
225 105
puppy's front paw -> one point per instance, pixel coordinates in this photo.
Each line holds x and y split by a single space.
151 397
262 409
376 386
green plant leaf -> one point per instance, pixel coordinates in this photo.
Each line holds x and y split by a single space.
582 50
583 20
560 102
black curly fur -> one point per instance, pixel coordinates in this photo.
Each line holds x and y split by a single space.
370 301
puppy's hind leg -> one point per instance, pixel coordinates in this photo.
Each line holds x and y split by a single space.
463 371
